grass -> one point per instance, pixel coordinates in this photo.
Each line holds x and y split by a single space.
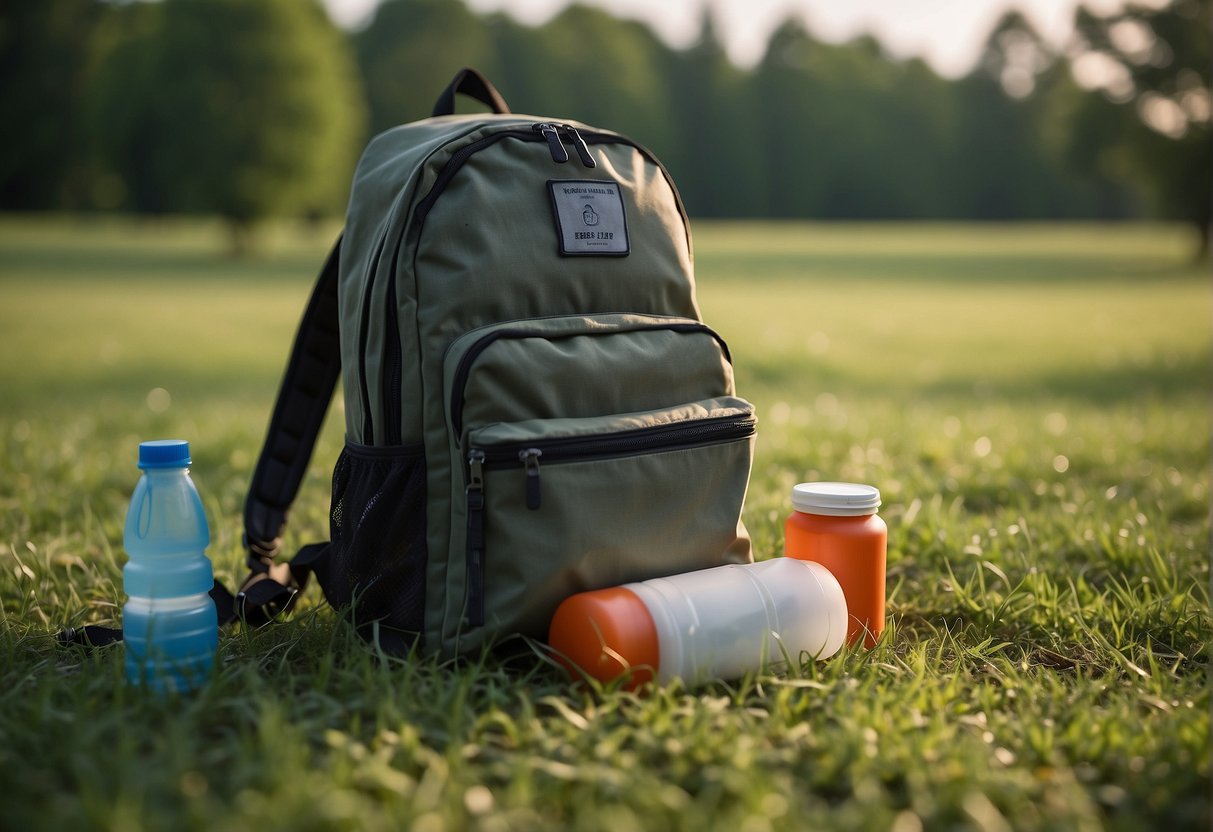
1033 402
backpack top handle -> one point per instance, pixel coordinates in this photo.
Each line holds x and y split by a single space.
474 85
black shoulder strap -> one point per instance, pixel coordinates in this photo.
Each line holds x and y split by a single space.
307 388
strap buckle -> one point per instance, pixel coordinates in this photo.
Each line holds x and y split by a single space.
264 597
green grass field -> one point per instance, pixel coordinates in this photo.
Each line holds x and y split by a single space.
1033 402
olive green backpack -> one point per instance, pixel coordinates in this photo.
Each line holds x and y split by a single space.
533 406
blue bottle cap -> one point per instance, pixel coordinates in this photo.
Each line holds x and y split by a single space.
164 453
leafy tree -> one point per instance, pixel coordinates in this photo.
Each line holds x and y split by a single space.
241 108
921 116
247 108
605 71
790 96
1150 128
123 124
410 51
47 53
518 63
1004 162
716 153
848 133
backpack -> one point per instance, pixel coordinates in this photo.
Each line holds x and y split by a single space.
533 405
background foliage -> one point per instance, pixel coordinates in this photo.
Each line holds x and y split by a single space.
260 107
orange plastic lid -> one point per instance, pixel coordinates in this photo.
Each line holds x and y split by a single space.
606 633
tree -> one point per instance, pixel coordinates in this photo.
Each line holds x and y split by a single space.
241 108
411 50
605 71
248 108
1149 127
848 133
1006 162
46 56
716 134
800 129
121 122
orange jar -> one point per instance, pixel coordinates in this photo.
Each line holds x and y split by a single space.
835 524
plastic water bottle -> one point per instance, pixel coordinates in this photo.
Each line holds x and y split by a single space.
716 623
169 624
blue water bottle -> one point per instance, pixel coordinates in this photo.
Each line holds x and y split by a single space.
169 624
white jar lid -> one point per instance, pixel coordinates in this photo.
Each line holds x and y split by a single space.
837 499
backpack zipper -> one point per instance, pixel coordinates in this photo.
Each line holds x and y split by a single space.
657 438
583 150
464 368
475 538
552 136
667 437
368 428
543 132
393 367
392 373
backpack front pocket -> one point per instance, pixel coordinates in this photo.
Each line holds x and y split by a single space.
586 451
559 506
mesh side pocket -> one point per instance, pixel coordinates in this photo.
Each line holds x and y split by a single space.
377 525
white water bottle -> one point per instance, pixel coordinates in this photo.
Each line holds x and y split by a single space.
717 623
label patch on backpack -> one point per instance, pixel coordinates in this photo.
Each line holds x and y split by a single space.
589 217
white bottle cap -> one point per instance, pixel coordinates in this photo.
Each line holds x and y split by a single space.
837 499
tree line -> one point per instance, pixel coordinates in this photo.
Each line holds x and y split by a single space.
255 108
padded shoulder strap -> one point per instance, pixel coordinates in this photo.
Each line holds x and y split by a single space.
307 388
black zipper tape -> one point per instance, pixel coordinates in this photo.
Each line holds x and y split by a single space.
581 140
364 334
393 367
670 436
475 539
652 439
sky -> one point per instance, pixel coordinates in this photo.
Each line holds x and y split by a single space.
947 33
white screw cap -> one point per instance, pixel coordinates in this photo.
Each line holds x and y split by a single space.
838 499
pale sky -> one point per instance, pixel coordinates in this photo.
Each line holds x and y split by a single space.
948 33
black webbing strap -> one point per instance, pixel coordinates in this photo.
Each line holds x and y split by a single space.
307 388
471 83
303 399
